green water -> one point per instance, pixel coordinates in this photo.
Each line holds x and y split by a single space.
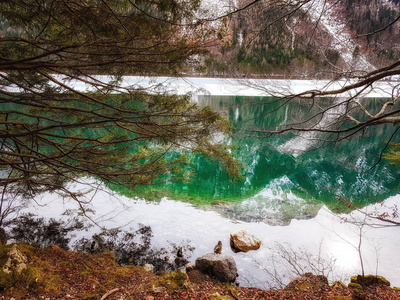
273 173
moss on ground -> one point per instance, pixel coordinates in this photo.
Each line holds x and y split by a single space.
355 286
174 280
337 284
53 270
368 280
58 274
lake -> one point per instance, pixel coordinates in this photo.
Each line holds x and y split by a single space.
289 194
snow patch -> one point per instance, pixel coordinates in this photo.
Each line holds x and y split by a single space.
323 13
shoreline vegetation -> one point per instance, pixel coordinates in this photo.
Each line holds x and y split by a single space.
40 262
54 273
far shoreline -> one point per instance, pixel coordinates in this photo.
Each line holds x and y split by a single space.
231 86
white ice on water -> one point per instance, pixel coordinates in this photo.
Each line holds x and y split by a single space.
233 86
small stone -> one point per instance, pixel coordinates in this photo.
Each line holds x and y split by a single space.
338 284
16 260
190 267
180 262
218 296
158 289
148 267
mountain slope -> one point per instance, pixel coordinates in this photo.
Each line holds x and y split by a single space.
316 38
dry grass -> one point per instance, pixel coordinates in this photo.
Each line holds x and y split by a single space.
54 273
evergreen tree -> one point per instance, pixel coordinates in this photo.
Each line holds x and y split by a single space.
52 132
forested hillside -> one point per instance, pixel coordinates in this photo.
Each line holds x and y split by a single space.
365 17
299 41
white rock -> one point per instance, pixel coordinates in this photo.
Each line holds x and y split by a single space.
242 241
149 267
16 260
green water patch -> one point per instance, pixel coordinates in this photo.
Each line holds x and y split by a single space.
313 178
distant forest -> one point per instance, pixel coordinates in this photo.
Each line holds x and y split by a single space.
265 41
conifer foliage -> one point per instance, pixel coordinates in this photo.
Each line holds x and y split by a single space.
52 132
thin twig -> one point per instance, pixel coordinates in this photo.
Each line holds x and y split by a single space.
109 293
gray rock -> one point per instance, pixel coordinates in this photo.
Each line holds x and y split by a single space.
223 267
180 262
190 267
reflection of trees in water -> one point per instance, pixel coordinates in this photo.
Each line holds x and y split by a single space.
130 247
319 173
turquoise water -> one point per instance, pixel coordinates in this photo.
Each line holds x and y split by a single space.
275 163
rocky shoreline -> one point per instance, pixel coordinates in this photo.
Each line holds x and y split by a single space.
53 273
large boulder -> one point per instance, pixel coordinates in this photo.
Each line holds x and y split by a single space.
223 267
242 241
